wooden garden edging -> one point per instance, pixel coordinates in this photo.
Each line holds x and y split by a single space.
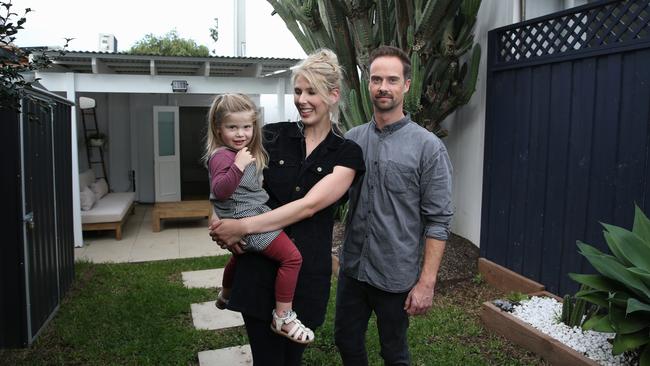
523 334
518 331
505 279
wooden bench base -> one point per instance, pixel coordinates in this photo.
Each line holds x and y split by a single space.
178 210
117 225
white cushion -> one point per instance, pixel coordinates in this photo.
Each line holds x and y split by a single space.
86 178
110 208
87 198
86 103
99 188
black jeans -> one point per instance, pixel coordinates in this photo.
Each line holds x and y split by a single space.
269 348
355 301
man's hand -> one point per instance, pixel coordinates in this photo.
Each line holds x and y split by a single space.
227 233
419 299
243 158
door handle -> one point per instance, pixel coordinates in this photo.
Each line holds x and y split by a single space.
29 220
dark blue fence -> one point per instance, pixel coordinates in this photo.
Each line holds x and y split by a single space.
567 140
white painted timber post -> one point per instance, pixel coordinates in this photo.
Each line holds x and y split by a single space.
280 97
239 7
71 94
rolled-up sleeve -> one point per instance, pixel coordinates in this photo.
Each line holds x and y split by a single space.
435 189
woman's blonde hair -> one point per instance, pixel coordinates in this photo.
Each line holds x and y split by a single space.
323 72
223 106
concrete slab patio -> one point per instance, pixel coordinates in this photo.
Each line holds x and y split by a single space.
177 239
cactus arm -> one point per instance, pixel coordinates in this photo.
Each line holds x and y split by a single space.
412 99
355 111
384 22
435 16
403 16
472 76
365 99
291 23
566 309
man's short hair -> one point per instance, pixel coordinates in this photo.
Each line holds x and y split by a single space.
390 51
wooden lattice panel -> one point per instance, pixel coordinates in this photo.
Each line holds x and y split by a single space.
588 27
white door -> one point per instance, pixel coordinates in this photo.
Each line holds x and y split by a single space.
167 162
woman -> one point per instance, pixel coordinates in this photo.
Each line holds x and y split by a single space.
310 168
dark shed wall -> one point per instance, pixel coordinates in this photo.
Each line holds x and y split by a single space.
12 299
37 261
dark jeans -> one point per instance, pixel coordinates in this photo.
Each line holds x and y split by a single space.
355 301
270 349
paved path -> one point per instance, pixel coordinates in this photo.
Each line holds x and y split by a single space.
207 316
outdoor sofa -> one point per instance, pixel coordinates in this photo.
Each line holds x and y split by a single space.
109 210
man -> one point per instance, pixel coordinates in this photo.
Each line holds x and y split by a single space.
399 220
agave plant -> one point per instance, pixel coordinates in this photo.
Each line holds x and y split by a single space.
436 34
622 287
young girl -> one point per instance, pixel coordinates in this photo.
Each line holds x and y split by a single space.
236 158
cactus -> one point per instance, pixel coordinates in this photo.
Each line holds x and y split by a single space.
575 310
566 309
436 34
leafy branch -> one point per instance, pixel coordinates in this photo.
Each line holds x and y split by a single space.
15 61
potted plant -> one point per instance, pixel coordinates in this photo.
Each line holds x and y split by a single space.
97 139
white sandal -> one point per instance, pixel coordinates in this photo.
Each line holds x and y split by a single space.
299 332
222 302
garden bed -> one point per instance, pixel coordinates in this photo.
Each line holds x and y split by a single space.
523 334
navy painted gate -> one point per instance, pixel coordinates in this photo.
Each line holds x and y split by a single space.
567 137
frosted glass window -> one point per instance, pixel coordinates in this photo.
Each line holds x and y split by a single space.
166 137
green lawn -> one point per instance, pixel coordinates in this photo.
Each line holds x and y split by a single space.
139 314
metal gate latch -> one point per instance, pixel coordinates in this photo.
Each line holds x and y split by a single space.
29 220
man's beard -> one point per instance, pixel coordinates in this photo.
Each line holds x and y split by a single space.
384 107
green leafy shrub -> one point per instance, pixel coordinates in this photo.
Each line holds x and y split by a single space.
622 287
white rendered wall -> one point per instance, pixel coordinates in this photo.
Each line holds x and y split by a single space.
467 126
467 129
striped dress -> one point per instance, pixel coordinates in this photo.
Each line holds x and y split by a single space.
248 199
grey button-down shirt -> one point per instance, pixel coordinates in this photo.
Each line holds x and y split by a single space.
404 196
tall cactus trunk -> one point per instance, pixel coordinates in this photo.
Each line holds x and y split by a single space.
435 33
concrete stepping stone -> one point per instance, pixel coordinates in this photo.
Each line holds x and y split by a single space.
206 316
232 356
209 278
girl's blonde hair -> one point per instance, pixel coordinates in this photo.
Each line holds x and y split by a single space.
223 106
323 72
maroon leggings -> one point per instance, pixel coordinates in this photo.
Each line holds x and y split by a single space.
281 250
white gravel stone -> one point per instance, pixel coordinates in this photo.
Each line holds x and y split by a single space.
543 313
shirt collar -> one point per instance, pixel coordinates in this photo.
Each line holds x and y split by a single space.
392 127
331 141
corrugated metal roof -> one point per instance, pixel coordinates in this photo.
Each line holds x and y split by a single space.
210 66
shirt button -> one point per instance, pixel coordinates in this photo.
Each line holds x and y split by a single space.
281 162
319 169
297 189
